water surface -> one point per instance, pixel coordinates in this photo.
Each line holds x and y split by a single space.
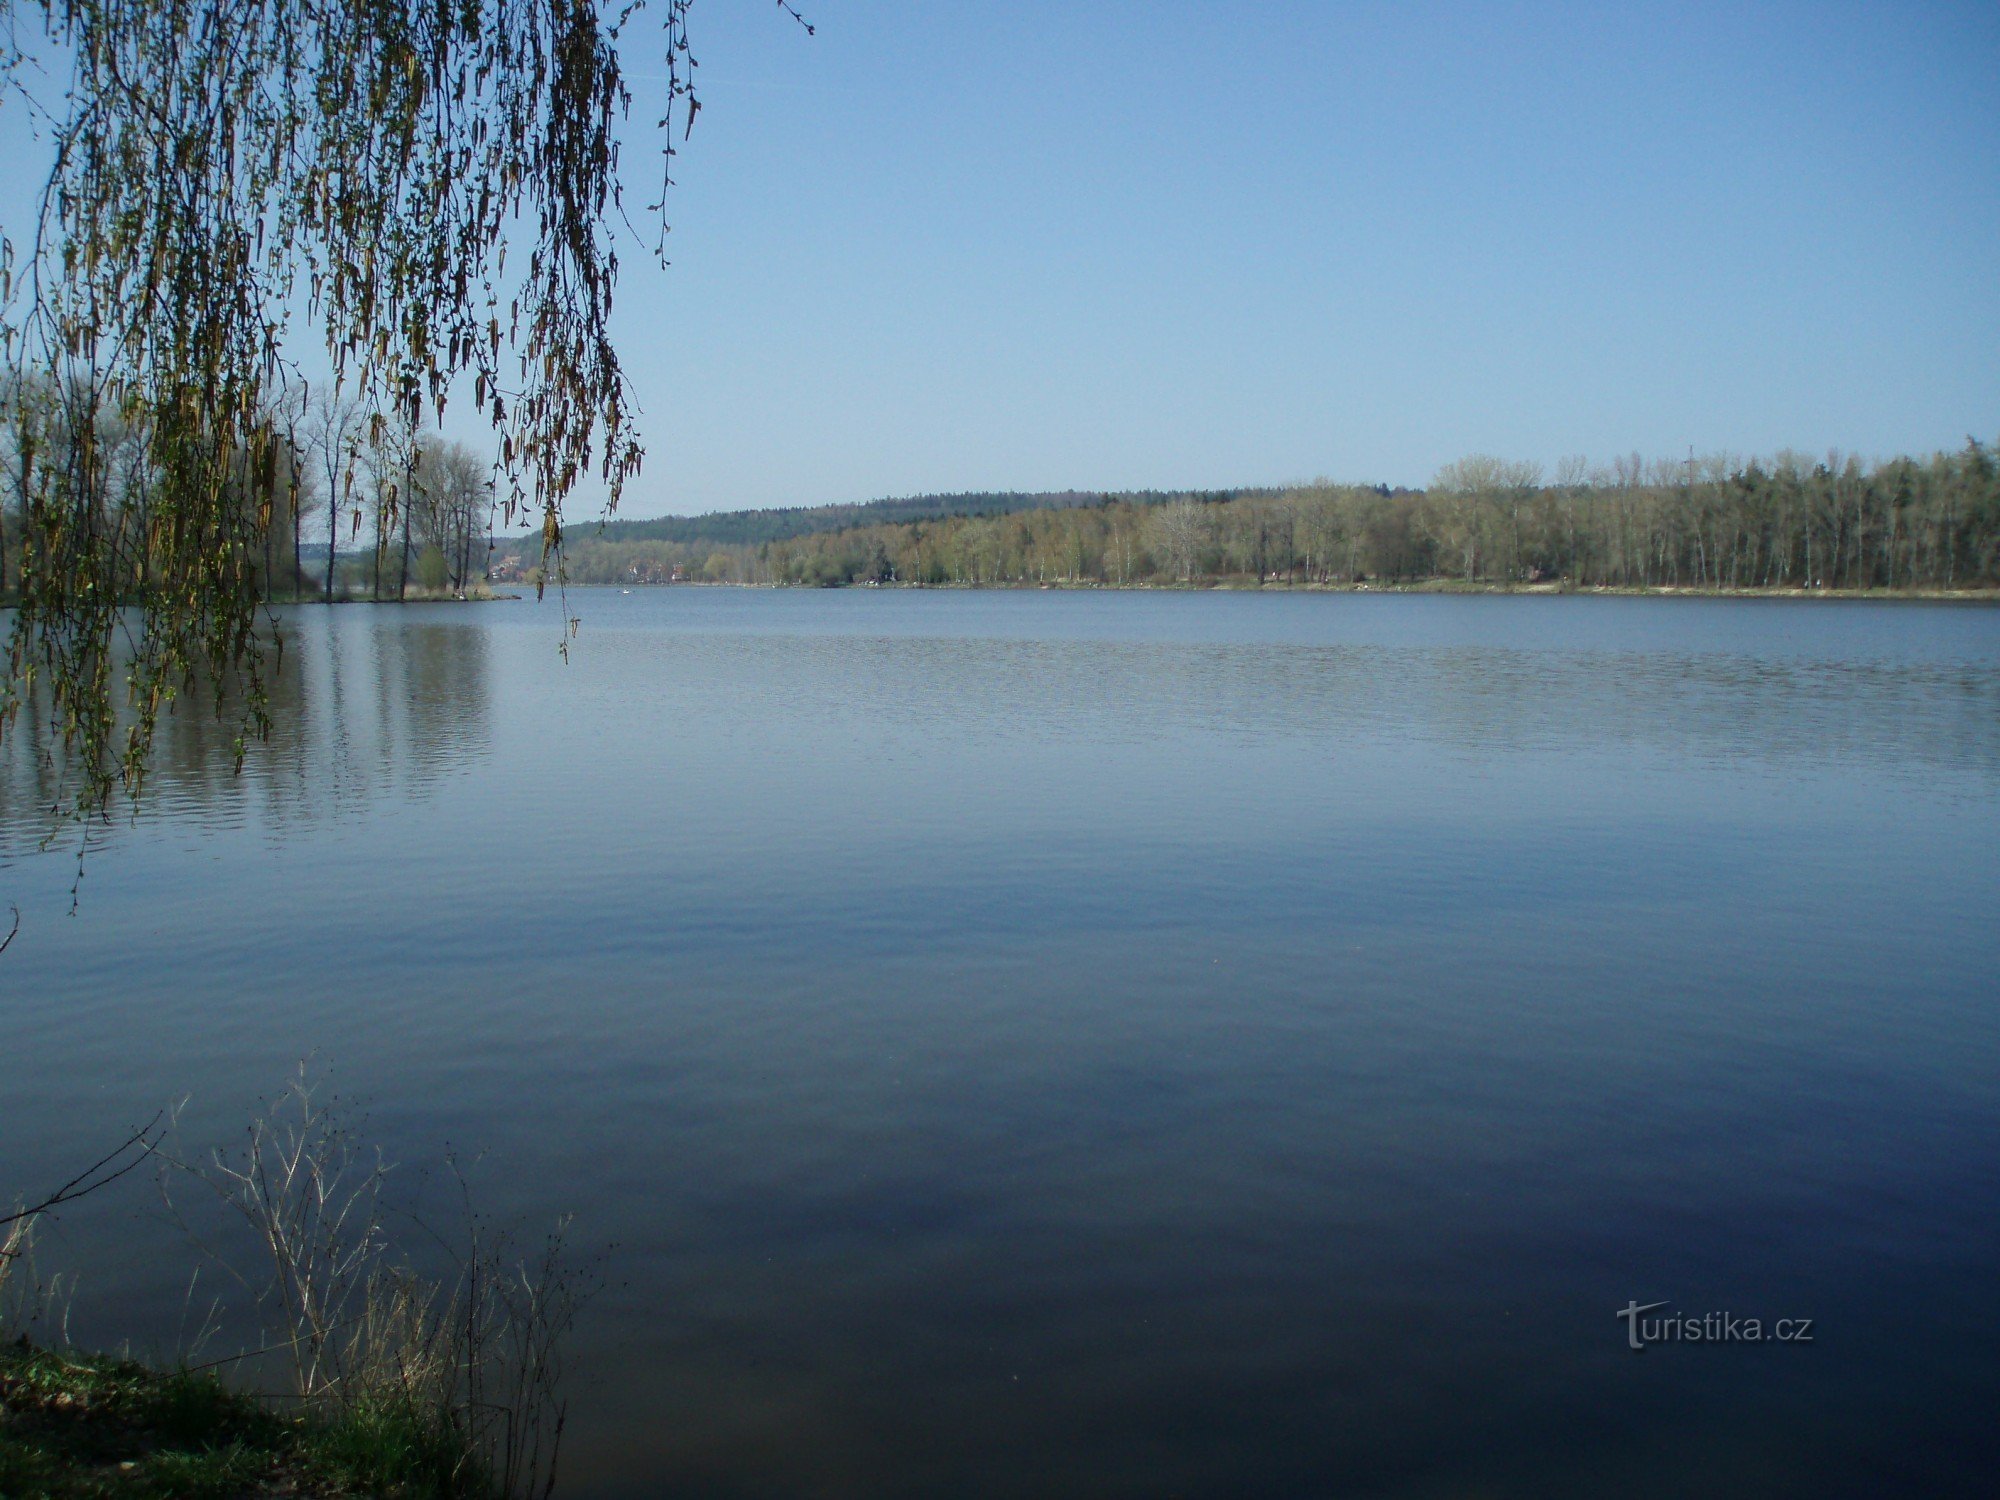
1035 1044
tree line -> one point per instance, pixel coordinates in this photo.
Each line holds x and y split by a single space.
340 502
216 182
1716 522
331 500
782 522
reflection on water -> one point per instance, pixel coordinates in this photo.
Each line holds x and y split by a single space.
1923 719
1082 1045
363 706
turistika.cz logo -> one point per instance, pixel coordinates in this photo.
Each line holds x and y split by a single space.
1709 1328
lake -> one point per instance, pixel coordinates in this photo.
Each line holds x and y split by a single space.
1106 1044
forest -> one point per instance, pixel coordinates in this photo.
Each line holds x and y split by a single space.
780 522
338 503
1715 523
325 500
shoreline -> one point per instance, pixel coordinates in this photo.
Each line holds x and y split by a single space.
1423 586
77 1425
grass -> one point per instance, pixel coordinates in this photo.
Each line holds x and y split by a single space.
75 1427
397 1383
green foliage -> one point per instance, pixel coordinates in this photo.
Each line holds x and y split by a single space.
433 572
364 163
380 1447
737 530
75 1425
1716 523
403 1384
752 527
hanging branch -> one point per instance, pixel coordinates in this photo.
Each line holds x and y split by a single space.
221 169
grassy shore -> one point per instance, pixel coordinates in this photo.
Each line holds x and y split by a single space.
75 1426
365 1375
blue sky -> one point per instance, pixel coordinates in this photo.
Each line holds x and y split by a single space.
955 246
950 246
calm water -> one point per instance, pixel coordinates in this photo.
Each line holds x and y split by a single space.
1088 1044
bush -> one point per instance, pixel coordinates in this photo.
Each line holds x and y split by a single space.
433 572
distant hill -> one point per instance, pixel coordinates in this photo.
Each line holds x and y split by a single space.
755 527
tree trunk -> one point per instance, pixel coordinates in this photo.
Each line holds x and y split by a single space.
409 504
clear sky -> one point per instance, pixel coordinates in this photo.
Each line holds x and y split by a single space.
944 246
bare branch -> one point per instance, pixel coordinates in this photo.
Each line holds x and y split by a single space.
107 1169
